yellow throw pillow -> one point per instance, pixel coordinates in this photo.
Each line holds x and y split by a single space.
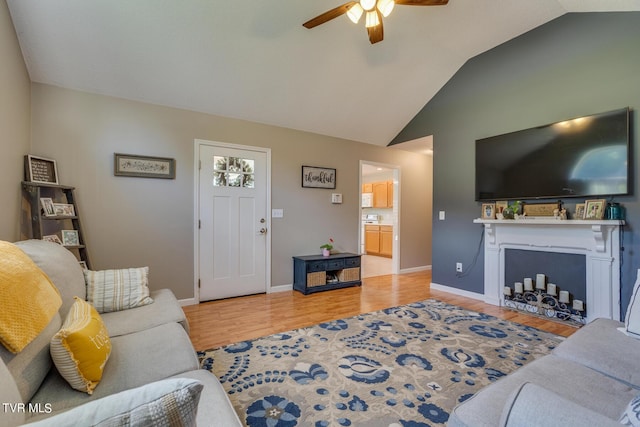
28 299
81 348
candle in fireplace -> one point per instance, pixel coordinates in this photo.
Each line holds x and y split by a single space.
528 284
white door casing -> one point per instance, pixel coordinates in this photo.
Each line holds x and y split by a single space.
233 223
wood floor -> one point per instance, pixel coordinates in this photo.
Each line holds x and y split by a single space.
217 323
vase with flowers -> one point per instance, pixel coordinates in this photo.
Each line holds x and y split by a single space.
326 248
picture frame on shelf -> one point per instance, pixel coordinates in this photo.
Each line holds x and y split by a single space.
40 169
488 211
64 209
48 208
70 238
579 213
53 238
318 177
594 208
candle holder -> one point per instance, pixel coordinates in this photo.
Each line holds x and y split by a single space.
540 303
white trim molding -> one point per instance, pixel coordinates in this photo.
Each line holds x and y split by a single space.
598 240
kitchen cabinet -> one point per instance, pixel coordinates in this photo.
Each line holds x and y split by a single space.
372 239
380 190
378 240
382 193
386 240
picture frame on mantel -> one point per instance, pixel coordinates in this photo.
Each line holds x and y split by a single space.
318 177
594 208
134 165
488 211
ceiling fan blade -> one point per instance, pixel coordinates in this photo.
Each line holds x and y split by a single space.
329 15
422 2
376 33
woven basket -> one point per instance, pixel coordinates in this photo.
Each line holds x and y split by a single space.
318 278
349 274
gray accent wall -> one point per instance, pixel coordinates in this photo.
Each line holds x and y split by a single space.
576 65
14 124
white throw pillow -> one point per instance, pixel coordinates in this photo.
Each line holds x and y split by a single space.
115 290
632 318
631 415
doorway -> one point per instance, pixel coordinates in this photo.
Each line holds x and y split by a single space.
379 218
232 222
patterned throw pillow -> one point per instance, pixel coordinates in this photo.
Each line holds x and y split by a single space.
81 348
167 403
115 290
631 415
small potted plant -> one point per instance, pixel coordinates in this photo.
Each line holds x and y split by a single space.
326 248
512 210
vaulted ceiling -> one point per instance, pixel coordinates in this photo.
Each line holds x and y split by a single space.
253 60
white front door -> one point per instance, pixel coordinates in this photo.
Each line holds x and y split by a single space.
233 188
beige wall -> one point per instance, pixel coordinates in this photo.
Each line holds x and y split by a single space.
134 221
14 124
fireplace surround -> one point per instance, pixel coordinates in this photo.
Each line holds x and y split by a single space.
598 240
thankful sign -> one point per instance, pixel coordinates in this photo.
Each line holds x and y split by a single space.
315 177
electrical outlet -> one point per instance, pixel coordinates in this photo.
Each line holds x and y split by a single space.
459 267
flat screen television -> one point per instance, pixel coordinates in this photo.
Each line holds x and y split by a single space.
583 157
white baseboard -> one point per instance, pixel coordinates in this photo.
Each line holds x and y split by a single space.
415 269
456 291
280 288
187 301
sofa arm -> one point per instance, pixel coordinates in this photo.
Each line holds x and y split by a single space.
533 405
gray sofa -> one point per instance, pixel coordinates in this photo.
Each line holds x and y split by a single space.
588 380
149 344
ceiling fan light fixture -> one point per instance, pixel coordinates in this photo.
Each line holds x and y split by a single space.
385 7
355 12
372 19
368 4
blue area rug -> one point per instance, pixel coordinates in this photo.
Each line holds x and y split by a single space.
402 366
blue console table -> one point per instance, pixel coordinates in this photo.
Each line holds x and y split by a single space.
315 273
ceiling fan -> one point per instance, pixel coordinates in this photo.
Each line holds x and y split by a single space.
374 11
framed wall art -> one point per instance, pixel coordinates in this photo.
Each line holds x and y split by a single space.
144 166
39 169
317 177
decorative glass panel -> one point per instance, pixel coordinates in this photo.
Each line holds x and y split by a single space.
233 172
219 179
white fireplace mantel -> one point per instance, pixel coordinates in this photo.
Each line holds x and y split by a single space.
598 240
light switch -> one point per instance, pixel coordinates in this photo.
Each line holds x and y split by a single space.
277 213
441 215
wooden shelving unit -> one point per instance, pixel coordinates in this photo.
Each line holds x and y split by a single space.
43 225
